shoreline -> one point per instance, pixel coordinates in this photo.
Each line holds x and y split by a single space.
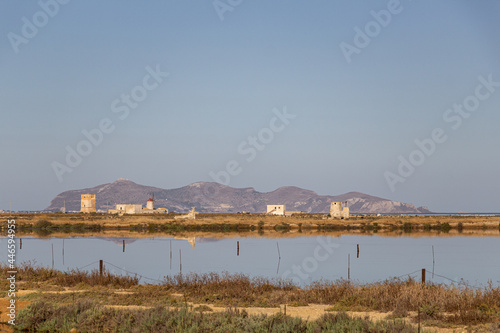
96 223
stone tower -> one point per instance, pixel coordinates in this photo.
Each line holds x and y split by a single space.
336 209
150 204
337 212
88 203
345 213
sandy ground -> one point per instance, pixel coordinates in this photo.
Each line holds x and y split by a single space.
4 302
309 312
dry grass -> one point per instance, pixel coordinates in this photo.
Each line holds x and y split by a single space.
30 276
230 289
445 303
437 304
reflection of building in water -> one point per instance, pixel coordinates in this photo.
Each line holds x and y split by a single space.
191 240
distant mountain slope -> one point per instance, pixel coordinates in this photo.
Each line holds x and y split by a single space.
120 191
216 198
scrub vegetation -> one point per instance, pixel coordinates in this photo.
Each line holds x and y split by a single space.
89 301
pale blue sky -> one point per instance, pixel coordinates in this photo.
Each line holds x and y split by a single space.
352 121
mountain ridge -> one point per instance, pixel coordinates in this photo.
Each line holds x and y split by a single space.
209 197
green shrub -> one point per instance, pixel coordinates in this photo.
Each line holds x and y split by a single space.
445 227
43 224
90 316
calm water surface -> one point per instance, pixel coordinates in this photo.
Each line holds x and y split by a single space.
476 260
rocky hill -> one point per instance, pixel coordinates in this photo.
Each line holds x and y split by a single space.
216 198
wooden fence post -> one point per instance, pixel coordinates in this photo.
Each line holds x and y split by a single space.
348 266
180 261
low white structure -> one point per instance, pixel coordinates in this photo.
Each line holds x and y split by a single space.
276 209
128 209
137 209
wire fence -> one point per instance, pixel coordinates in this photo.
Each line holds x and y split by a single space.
92 263
413 275
120 268
430 271
133 273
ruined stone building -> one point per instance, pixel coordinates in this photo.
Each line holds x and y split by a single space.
189 216
337 212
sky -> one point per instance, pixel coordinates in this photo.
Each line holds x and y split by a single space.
396 99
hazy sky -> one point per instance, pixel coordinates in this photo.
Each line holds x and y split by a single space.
325 95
